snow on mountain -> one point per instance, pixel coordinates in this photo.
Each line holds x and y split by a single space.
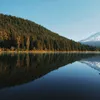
93 40
95 37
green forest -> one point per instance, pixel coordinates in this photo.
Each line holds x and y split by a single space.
21 34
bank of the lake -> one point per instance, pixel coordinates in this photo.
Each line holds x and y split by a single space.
44 51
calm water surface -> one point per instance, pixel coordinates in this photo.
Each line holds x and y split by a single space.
49 77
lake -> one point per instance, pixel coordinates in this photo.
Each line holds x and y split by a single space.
58 76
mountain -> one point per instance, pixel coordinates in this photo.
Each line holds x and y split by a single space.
93 40
22 34
93 62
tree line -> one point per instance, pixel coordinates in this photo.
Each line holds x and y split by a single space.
21 34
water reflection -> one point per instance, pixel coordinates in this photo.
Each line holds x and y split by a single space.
93 62
17 69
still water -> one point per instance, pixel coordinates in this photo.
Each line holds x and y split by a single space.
49 76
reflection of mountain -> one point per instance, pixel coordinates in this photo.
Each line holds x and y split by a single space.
21 68
93 62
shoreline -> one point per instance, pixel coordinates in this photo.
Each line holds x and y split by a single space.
41 51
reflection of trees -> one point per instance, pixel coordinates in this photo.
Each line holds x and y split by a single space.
18 60
22 68
27 60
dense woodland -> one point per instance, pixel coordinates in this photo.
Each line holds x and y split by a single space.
20 34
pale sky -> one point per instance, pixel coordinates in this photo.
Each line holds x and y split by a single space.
74 19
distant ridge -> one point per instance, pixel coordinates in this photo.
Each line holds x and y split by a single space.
93 40
20 34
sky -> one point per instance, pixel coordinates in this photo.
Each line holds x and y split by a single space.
74 19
